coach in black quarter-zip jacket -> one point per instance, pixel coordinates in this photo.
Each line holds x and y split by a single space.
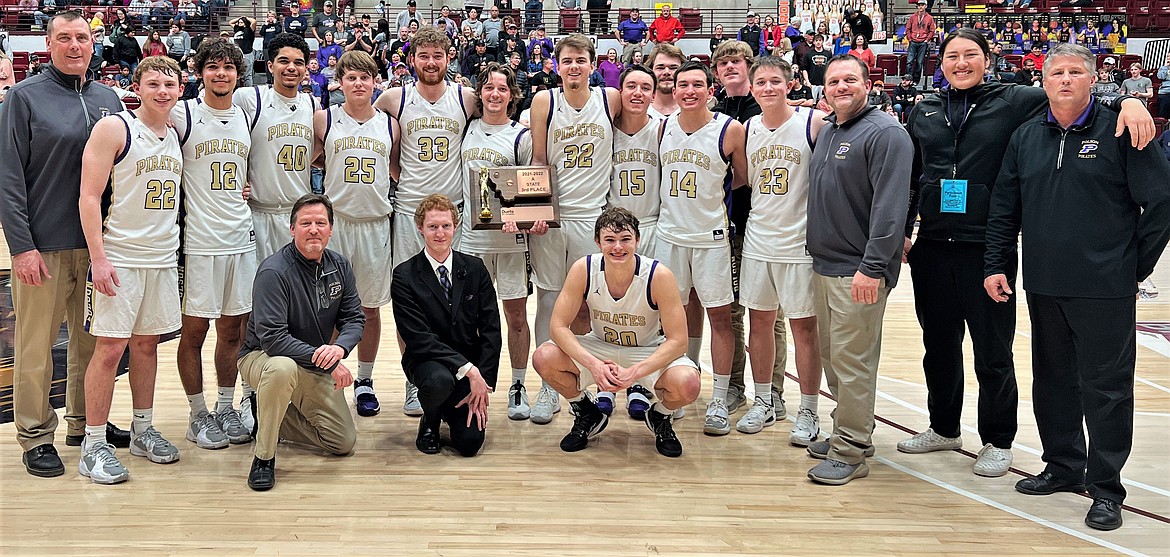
1095 216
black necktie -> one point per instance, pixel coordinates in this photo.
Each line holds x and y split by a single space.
445 281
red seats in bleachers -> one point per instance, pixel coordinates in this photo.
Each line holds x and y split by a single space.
691 18
570 20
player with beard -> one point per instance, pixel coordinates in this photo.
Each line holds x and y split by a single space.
433 114
281 122
573 134
356 144
664 60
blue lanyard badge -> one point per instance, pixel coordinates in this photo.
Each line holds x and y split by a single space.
954 196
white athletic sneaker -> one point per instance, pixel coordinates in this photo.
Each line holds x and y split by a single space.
778 406
247 414
993 461
717 421
759 416
411 406
100 465
548 402
152 445
205 432
1147 290
233 426
518 408
929 441
806 430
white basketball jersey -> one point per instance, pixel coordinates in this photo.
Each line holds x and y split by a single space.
636 175
579 144
696 186
357 164
141 226
282 140
778 172
216 218
432 135
655 115
631 320
490 146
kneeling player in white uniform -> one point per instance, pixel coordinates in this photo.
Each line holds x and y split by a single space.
777 271
360 152
133 291
491 141
638 335
219 248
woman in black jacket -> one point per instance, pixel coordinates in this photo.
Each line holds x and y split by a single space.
960 136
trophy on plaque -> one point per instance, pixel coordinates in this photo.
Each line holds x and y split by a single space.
520 194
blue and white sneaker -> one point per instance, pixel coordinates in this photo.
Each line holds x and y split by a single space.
364 398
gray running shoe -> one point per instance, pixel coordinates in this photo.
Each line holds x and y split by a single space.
101 466
205 432
152 445
233 426
835 472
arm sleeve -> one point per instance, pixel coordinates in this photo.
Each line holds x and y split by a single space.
915 176
408 316
891 180
1146 171
489 328
1003 220
15 137
350 319
270 313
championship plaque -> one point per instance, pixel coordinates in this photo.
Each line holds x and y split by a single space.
521 194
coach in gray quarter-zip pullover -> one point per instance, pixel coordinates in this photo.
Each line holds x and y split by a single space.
45 122
857 199
855 195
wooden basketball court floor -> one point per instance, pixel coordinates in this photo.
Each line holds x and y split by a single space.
733 495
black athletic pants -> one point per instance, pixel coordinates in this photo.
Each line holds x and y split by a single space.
1083 357
949 299
438 393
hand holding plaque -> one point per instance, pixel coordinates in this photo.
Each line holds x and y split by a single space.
520 194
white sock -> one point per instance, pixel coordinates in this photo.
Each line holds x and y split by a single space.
143 418
606 394
198 404
246 388
809 402
580 396
764 392
94 435
721 384
694 345
223 398
365 370
662 409
518 374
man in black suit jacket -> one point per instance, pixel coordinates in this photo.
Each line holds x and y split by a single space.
445 310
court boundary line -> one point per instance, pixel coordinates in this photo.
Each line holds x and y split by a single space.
1008 508
877 417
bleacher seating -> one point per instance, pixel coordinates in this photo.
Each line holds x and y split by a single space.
691 18
893 64
570 20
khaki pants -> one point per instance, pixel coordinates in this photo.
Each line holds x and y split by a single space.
296 404
851 345
39 312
